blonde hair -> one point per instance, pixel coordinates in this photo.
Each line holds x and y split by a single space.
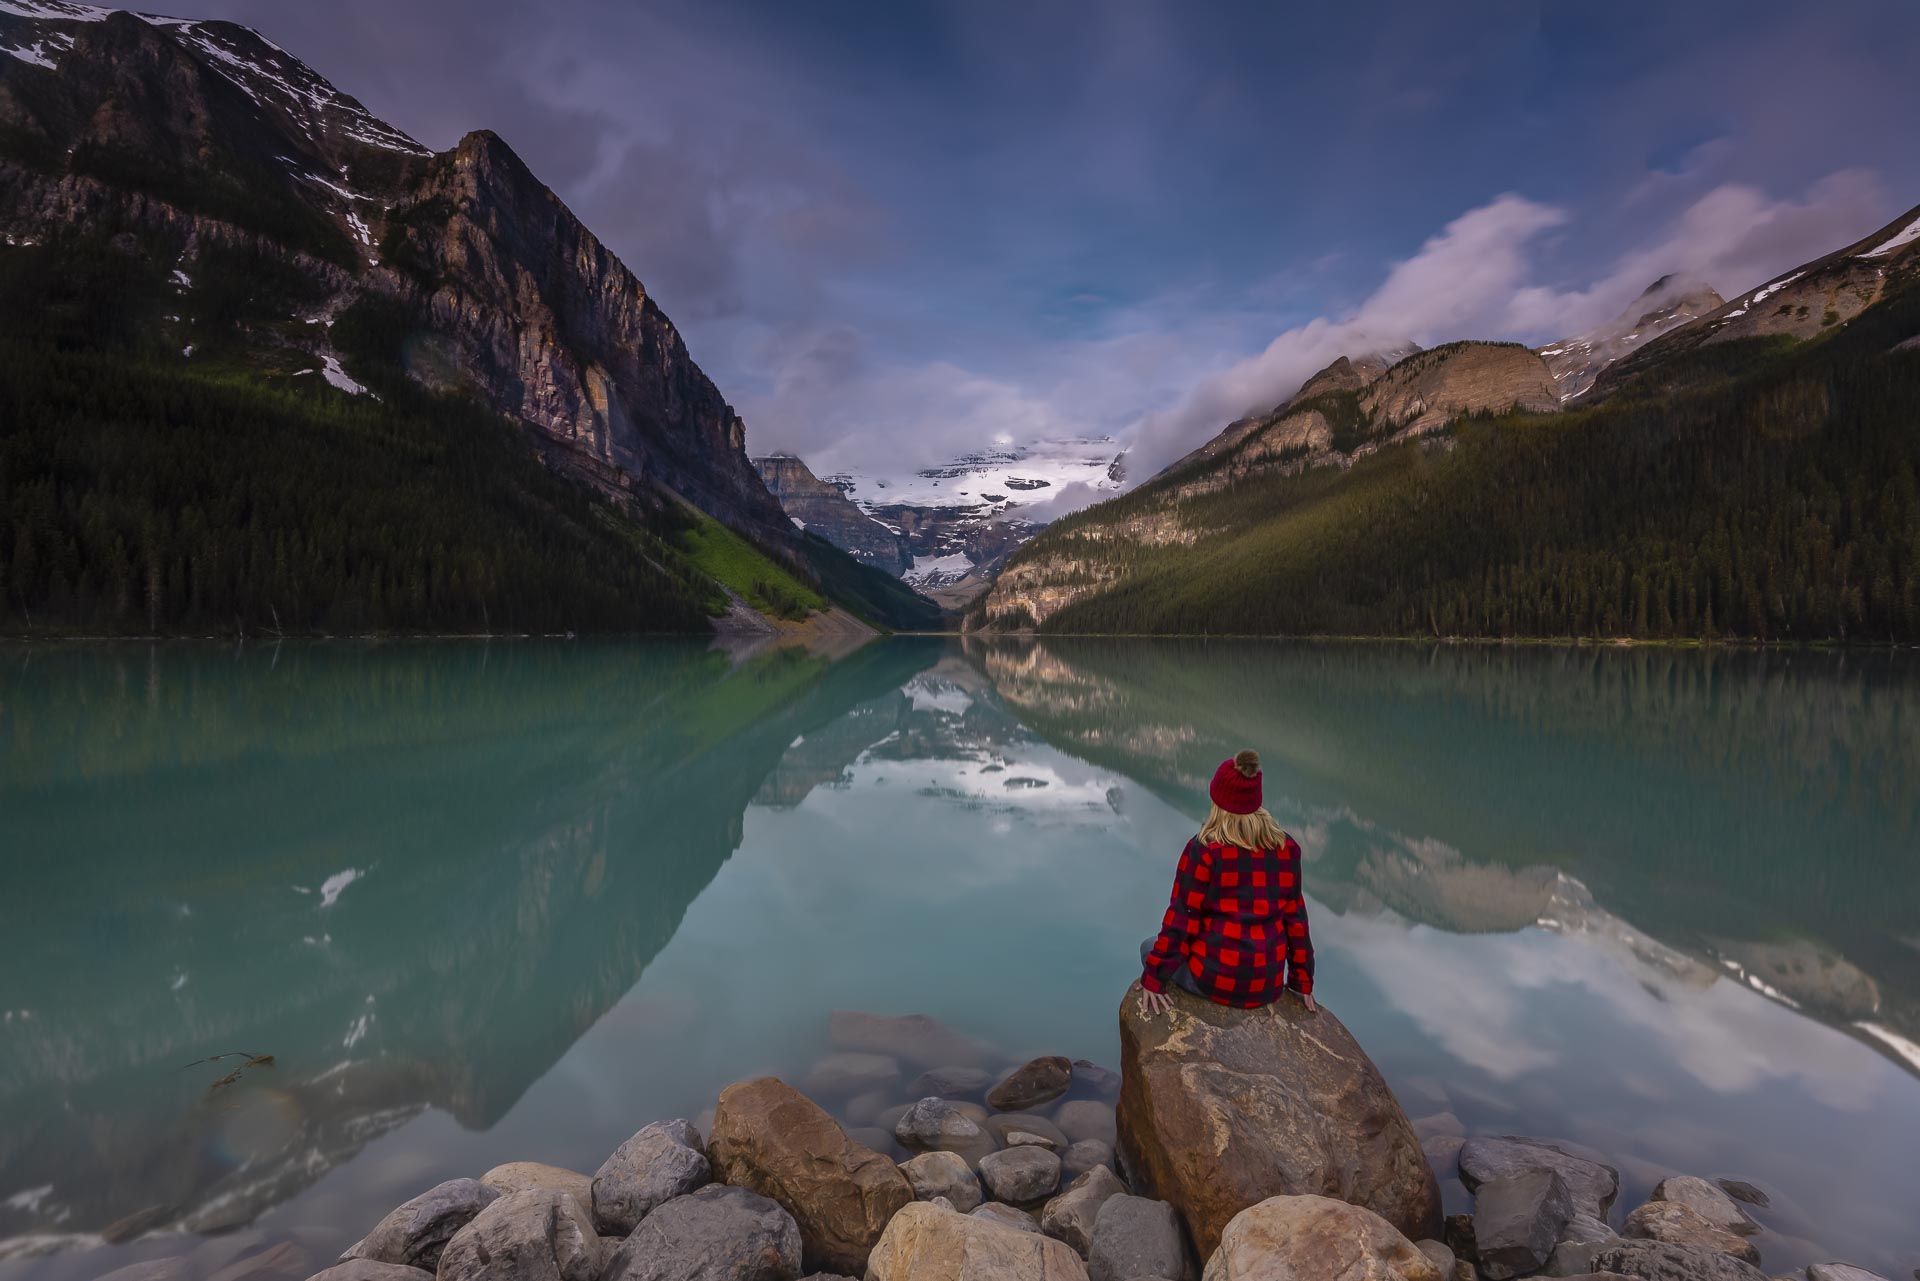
1255 831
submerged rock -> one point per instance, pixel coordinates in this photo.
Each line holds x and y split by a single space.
1222 1109
1021 1175
943 1174
1040 1081
716 1234
1844 1272
181 1270
351 1270
924 1243
281 1261
536 1235
1312 1238
771 1139
1741 1190
1708 1201
1086 1119
1137 1237
1083 1156
912 1038
1098 1081
1592 1184
936 1125
415 1234
1683 1225
850 1072
657 1164
1070 1216
1518 1220
951 1082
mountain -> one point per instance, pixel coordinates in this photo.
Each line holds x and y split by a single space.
1663 306
264 236
823 509
1742 476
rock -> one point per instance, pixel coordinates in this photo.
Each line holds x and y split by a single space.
1665 1261
1314 1238
864 1109
1021 1139
1443 1151
850 1072
1086 1119
415 1233
136 1224
1584 1227
827 1276
1582 1238
661 1162
1438 1255
1591 1184
1005 1123
1741 1190
181 1270
951 1082
1070 1216
943 1174
1137 1237
1221 1109
935 1125
926 1244
716 1234
1843 1272
912 1038
1439 1123
535 1235
1518 1220
1088 1154
281 1261
1096 1080
1007 1215
1031 1084
518 1176
771 1139
1680 1224
362 1270
1706 1200
1464 1271
1458 1235
1021 1175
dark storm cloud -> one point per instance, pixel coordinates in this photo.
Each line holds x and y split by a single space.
906 229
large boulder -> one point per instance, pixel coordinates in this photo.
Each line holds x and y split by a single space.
912 1038
926 1243
716 1234
1021 1175
944 1174
1667 1261
536 1235
1708 1200
351 1270
1518 1221
415 1234
1134 1236
1031 1084
661 1162
1070 1216
1592 1184
1311 1238
771 1139
1683 1225
938 1125
1221 1109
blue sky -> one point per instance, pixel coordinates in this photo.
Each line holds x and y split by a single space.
892 231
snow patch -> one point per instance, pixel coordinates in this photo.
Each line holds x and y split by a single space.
1899 240
1900 1045
30 53
359 226
339 377
187 350
182 279
938 571
333 886
54 9
29 1200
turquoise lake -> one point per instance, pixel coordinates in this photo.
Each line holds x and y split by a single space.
501 901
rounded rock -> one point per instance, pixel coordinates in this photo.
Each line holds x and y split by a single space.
935 1125
416 1233
1021 1175
536 1233
943 1174
1086 1119
715 1234
1708 1201
661 1162
1137 1237
1037 1081
1309 1238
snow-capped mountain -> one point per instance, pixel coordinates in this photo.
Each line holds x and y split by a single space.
1664 306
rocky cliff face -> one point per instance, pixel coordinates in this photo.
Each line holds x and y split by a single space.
815 505
1425 392
1667 304
192 134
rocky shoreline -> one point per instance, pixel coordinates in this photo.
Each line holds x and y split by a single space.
1232 1145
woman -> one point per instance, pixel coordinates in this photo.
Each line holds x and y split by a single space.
1235 924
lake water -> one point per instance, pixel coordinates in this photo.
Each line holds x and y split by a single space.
487 902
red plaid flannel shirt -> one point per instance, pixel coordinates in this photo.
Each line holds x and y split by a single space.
1237 921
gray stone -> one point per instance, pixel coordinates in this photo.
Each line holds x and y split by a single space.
1086 1119
827 1276
1136 1237
850 1072
173 1270
535 1235
1582 1238
1316 1238
935 1125
1039 1081
1663 1261
1070 1216
1083 1156
414 1234
1437 1253
951 1083
663 1161
943 1174
715 1234
518 1176
1090 1076
1021 1175
1844 1272
1706 1200
912 1038
1584 1227
927 1244
1682 1225
1741 1190
365 1270
1001 1212
1518 1220
1021 1139
281 1261
1591 1184
1002 1124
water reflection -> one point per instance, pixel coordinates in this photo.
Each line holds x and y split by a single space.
490 903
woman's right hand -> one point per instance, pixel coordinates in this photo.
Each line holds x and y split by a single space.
1152 1003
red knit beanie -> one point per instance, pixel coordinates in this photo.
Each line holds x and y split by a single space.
1236 784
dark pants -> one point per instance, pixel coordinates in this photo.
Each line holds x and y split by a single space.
1182 977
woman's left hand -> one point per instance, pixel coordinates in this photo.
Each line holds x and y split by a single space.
1307 999
1152 1003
